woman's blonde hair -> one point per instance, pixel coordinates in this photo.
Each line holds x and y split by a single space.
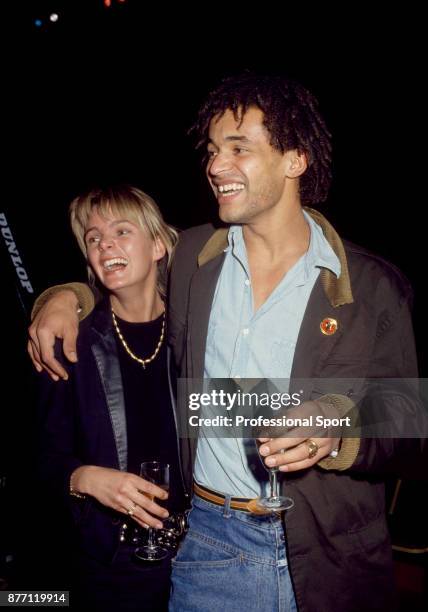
132 204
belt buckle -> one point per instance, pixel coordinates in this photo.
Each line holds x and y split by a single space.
242 505
254 508
170 536
173 531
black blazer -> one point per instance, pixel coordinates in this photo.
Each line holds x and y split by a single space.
83 422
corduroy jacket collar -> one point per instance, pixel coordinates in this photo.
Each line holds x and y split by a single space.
337 290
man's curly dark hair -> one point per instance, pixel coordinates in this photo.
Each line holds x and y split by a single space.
291 117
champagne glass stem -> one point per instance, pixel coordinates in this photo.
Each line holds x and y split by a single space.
150 541
273 481
157 473
274 502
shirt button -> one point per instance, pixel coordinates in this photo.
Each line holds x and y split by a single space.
247 282
245 331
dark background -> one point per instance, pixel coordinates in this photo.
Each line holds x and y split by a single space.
108 94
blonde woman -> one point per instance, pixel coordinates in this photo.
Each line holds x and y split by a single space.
114 411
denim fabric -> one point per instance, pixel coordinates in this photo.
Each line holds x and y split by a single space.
231 560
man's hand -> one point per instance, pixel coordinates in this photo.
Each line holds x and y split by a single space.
293 453
122 491
56 319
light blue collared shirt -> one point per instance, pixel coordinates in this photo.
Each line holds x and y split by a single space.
242 343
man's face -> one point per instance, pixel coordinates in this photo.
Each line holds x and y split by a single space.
245 172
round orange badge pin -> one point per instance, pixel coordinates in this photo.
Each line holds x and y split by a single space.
328 326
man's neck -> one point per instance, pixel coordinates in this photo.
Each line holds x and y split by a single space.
278 237
274 244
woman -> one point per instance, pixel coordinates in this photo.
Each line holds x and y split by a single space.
114 411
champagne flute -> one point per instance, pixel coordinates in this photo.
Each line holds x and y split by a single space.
274 501
157 473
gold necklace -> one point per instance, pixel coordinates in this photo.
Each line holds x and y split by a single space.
143 362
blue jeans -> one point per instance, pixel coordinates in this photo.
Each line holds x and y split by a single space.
231 560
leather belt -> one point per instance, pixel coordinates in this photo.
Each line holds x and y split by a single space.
236 503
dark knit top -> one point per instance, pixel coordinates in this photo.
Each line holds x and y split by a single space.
150 420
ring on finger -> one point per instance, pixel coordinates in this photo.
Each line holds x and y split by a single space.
312 448
131 510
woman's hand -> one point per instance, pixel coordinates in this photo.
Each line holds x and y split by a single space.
122 491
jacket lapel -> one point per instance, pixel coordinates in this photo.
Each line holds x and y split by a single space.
105 353
185 442
312 346
202 291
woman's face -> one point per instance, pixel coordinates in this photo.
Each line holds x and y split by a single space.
121 254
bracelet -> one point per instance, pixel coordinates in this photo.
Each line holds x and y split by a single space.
72 491
75 493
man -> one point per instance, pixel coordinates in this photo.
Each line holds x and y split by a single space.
277 294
